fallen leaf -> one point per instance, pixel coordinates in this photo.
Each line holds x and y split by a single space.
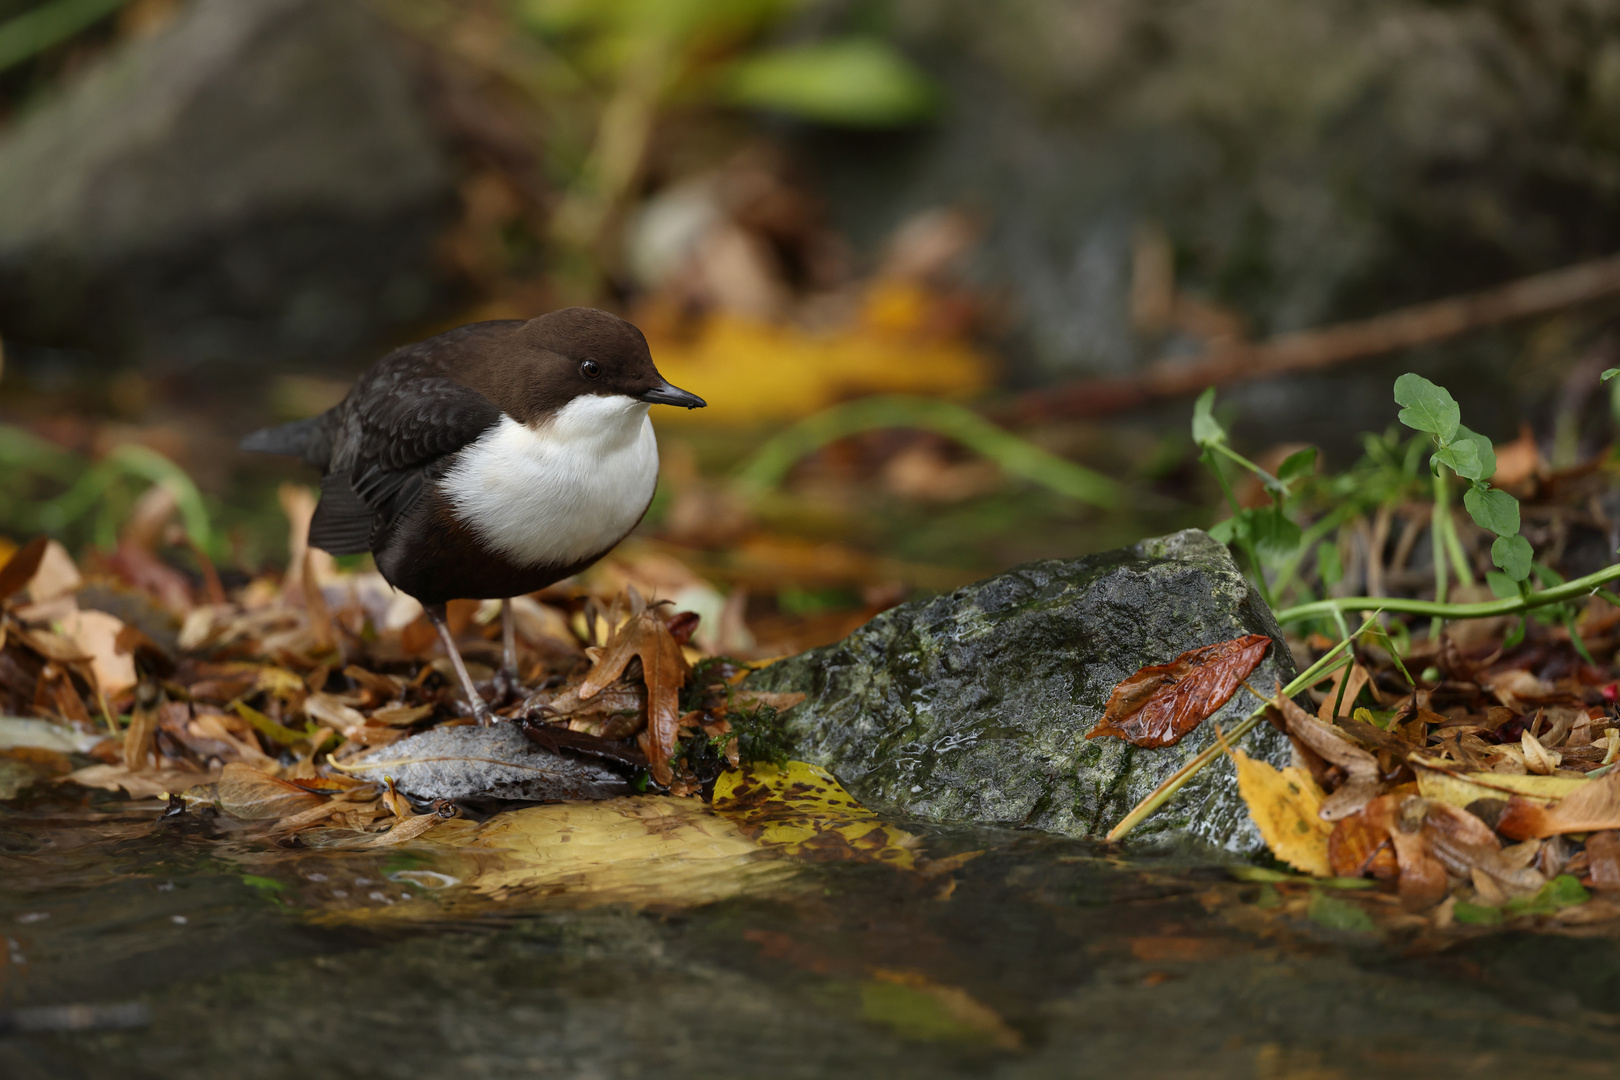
406 830
650 850
140 784
95 634
1464 788
1360 847
1603 859
1163 702
247 793
1363 780
804 810
1593 806
1423 881
1358 678
663 668
21 567
1286 807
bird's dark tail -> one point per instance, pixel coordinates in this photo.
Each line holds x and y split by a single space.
305 439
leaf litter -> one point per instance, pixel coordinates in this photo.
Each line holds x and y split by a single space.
1488 795
301 712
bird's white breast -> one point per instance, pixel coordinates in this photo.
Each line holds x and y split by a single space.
560 491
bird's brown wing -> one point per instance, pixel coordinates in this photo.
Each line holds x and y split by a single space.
399 425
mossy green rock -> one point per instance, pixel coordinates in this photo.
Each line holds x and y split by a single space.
973 707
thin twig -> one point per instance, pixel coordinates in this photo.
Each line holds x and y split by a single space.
1312 350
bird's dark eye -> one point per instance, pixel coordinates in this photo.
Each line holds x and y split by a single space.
590 369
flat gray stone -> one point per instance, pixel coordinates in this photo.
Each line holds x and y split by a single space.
973 707
495 762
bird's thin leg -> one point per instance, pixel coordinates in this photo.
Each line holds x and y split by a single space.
507 682
480 711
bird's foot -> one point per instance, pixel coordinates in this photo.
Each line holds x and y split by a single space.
506 686
481 711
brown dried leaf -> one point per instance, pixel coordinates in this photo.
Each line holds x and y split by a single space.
1355 845
1423 877
20 568
1347 705
664 670
1603 859
1163 702
406 830
247 793
1363 782
402 715
140 784
1592 806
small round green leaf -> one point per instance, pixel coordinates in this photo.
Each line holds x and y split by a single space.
1483 450
1462 457
1493 510
1609 374
1513 555
1427 407
1299 463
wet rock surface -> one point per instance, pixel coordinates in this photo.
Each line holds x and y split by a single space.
973 707
255 181
495 762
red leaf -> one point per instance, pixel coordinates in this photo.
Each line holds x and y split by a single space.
1162 702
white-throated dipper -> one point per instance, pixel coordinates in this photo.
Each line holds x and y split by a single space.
489 461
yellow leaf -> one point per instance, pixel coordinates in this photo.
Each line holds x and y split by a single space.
802 809
1460 789
1285 806
752 372
635 851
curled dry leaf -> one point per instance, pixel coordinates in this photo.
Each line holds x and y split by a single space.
1163 702
663 668
1537 758
1362 784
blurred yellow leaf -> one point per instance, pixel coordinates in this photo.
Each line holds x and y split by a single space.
803 810
1285 806
750 372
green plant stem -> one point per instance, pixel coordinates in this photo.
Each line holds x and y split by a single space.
1459 557
1016 456
1512 606
1243 541
1266 478
1161 794
32 32
1437 525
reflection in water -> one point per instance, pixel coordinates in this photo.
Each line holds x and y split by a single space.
652 936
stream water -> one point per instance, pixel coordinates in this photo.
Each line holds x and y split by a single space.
143 946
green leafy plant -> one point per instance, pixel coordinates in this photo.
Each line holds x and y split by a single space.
1276 545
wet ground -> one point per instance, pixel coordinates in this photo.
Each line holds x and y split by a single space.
138 946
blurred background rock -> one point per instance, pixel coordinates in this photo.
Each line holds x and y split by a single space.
213 213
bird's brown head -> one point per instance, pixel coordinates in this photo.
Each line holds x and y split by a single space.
577 351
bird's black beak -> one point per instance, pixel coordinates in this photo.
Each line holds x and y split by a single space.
665 394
